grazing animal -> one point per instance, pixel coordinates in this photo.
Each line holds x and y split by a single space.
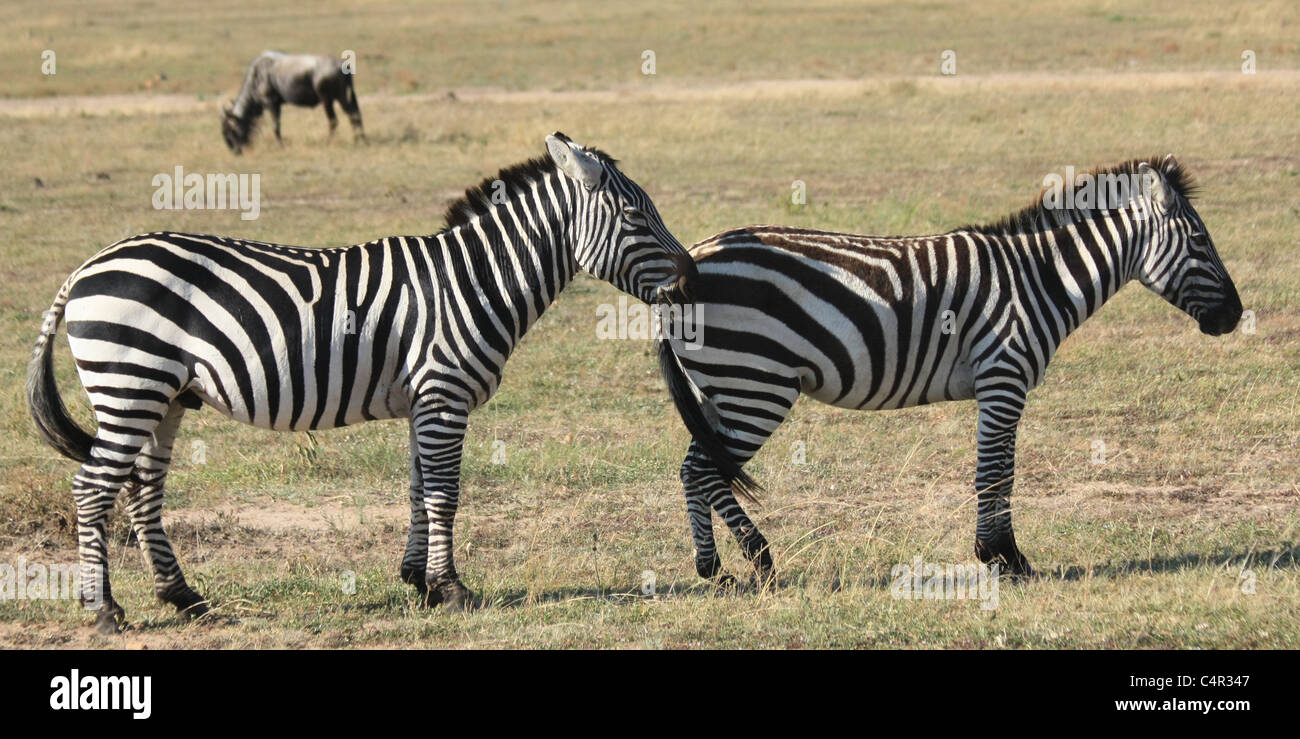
291 339
874 323
274 79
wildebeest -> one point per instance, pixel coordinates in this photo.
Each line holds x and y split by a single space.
275 78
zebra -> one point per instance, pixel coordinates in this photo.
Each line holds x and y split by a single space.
275 78
873 323
290 338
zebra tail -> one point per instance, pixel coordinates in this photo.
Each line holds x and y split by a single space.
702 430
52 419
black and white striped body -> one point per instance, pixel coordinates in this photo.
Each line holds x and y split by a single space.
290 338
293 339
870 323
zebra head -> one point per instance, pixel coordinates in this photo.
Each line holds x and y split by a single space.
619 236
1180 263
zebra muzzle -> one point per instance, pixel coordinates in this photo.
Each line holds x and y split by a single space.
677 288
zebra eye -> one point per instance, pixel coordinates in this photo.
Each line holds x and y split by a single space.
1200 238
633 214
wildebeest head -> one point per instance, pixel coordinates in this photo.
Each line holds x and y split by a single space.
235 129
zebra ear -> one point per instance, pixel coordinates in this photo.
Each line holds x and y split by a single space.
1153 182
573 161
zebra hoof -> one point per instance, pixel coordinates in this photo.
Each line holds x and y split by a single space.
414 576
765 581
1007 556
708 567
456 597
188 603
452 596
726 584
429 597
111 620
196 609
195 612
1022 570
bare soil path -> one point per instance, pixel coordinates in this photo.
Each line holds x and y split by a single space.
152 104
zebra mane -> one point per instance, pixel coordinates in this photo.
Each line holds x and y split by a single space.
1034 217
477 200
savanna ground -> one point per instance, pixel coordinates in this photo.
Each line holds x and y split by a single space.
1194 507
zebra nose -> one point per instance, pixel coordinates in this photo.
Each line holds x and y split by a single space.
1231 310
1222 319
685 272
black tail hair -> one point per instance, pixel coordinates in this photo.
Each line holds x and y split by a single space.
688 406
52 419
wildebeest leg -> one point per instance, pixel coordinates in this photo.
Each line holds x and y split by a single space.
328 102
350 106
274 108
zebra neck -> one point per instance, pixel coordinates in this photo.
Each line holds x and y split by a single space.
1084 263
518 264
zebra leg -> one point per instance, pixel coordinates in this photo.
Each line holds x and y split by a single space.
698 479
143 501
745 423
995 541
94 490
416 559
752 542
706 492
752 419
440 434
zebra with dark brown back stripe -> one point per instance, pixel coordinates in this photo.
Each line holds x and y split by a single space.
874 323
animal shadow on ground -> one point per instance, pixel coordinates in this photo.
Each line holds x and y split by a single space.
1267 559
398 602
171 622
626 593
1286 557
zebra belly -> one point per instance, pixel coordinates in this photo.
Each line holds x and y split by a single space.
386 402
303 389
892 379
